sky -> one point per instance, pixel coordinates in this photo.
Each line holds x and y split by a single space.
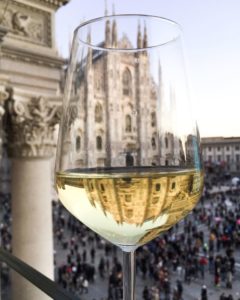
211 33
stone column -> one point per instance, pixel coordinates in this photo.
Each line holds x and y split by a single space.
3 81
3 96
30 128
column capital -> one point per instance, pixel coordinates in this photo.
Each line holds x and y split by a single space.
3 94
3 32
30 127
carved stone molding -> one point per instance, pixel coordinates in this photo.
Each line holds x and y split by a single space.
3 32
27 23
3 95
30 127
51 3
29 57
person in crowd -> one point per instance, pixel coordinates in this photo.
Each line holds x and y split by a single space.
202 246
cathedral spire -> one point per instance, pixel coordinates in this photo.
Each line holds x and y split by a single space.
106 8
107 34
139 37
145 37
89 57
114 29
107 28
89 37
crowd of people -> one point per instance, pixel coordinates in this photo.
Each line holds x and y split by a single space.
203 243
5 238
201 248
83 262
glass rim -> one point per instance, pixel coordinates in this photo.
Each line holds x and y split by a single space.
134 49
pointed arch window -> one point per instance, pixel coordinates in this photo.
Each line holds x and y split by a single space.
154 145
129 213
127 83
166 142
129 160
153 119
78 143
128 123
98 113
99 143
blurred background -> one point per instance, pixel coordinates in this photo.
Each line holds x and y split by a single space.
197 259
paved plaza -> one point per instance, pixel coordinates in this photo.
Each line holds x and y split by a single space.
192 291
74 242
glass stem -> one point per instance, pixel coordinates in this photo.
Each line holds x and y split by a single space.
129 275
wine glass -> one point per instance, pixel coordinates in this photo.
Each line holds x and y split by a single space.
128 160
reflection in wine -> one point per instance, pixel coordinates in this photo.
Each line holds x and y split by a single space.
129 161
130 208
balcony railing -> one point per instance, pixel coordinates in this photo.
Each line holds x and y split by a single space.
42 282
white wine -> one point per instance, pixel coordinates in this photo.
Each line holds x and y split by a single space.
127 206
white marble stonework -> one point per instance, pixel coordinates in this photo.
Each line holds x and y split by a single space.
30 132
29 55
34 71
33 122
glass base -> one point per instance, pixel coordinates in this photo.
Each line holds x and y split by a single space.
128 248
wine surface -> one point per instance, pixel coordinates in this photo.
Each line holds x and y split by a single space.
129 206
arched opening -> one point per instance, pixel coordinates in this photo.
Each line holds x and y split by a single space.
154 145
98 113
78 143
129 160
128 123
166 142
153 119
99 142
127 83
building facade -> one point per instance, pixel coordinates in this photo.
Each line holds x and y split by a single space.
132 120
118 81
222 151
118 122
30 91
